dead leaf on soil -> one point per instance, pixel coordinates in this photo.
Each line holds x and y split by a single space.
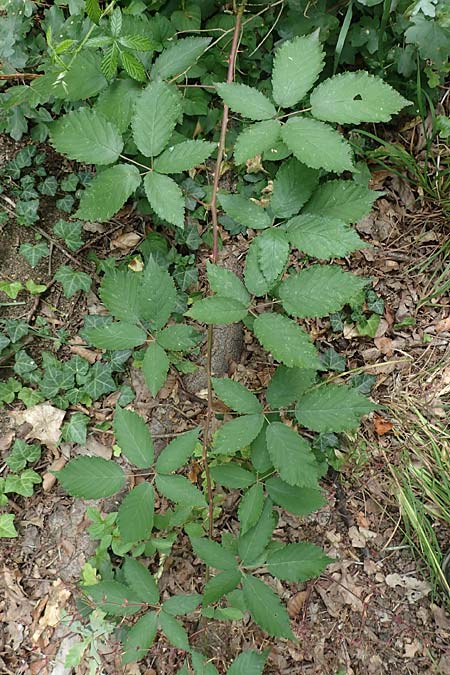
441 619
48 479
57 600
443 325
125 242
359 536
45 421
412 648
415 589
295 604
381 425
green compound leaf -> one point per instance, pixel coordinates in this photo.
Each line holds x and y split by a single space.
183 156
155 367
292 187
220 585
133 437
135 516
319 290
139 43
317 145
91 477
254 541
86 136
342 199
72 281
33 253
353 98
248 663
297 65
265 608
174 631
108 192
217 309
180 605
288 343
213 554
156 113
273 250
165 198
333 407
114 598
226 283
323 238
180 490
110 61
140 638
250 507
119 292
236 396
237 434
141 581
246 101
232 476
256 139
176 59
176 454
83 80
296 500
298 562
291 456
116 335
288 384
245 212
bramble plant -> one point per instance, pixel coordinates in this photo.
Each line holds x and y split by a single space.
137 137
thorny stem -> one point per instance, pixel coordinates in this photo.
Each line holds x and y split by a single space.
214 258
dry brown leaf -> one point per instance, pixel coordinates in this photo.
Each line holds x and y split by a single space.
295 604
48 479
84 353
381 425
415 589
443 325
45 421
57 600
125 242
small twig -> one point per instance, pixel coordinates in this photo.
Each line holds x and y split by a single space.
19 76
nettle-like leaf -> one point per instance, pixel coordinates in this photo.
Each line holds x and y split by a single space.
108 192
247 101
236 396
72 280
245 212
273 250
91 477
133 66
323 238
288 343
353 98
182 604
226 283
342 199
157 296
297 65
291 455
217 309
174 631
298 562
180 56
155 367
86 136
237 434
292 187
93 10
317 145
177 452
333 408
165 197
157 111
256 139
255 280
134 438
213 554
141 581
254 541
297 500
135 516
110 61
116 335
119 292
265 608
319 290
232 476
140 638
183 156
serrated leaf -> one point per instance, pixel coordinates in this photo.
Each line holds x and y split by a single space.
183 156
236 396
139 43
232 476
256 139
319 290
177 58
180 490
157 297
156 113
174 631
179 605
93 10
254 541
110 61
288 384
226 283
116 335
237 434
91 477
108 192
140 638
178 337
220 585
291 455
114 598
165 197
83 80
342 199
247 101
255 281
140 580
133 66
333 407
288 343
175 455
292 187
135 516
72 280
248 663
119 292
155 367
213 554
297 65
244 211
298 562
33 253
353 98
250 507
86 136
117 103
273 251
323 238
265 608
218 310
317 145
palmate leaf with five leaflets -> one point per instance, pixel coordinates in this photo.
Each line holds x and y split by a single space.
297 65
108 192
317 145
247 101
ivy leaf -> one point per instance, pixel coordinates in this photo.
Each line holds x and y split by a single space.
180 490
213 554
33 253
175 455
226 283
244 211
140 580
178 338
156 113
254 541
157 296
218 310
342 199
236 396
183 156
177 58
292 187
86 136
288 384
317 145
232 476
23 483
133 437
165 198
100 381
248 663
220 585
256 139
333 407
116 335
114 598
323 238
237 434
246 101
250 507
108 192
135 516
182 604
70 232
22 453
291 456
7 529
72 281
319 291
75 430
298 562
297 65
353 98
133 66
155 367
265 608
119 292
273 251
140 638
91 477
174 631
288 343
